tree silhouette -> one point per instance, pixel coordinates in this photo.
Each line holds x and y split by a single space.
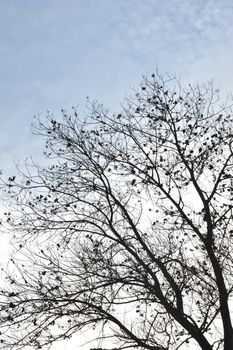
128 229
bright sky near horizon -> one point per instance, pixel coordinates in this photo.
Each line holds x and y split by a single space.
54 53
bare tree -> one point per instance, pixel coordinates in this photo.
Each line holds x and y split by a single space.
129 228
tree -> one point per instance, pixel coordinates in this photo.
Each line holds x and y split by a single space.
129 228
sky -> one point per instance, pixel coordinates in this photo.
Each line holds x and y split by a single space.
54 53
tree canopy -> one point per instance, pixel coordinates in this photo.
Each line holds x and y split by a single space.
128 229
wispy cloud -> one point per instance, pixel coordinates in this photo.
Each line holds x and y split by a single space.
55 53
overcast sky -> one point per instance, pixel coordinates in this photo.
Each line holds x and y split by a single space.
54 53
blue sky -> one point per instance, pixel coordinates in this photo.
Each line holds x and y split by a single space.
54 53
